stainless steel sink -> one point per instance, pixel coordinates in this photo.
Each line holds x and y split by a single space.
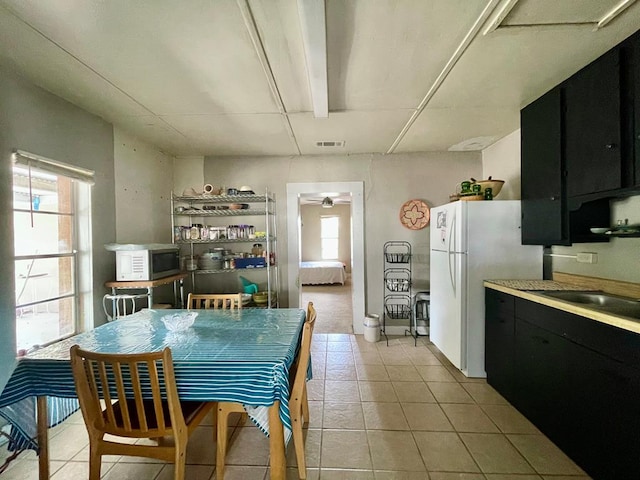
605 302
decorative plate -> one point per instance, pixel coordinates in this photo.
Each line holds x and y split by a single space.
414 214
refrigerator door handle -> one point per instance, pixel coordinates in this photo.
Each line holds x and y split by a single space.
450 255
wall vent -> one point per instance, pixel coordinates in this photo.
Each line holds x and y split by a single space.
338 143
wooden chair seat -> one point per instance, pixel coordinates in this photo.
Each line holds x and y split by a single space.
190 411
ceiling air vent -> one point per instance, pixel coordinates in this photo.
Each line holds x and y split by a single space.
339 143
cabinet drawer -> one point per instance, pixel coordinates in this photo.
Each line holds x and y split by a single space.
499 303
613 342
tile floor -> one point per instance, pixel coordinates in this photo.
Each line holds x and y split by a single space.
377 412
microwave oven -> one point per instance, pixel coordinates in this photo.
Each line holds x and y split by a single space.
146 264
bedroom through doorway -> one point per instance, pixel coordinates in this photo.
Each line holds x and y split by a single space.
341 303
325 259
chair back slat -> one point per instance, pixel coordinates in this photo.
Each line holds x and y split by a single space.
224 301
137 403
157 395
101 381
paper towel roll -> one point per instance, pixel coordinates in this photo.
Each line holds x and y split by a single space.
207 189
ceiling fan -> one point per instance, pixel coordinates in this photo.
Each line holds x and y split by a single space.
327 201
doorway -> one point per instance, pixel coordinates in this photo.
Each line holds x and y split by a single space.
296 191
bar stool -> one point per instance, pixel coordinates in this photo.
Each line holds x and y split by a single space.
421 312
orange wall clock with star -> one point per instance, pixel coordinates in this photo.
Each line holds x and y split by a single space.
414 214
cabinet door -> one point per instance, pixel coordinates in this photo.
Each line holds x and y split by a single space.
543 382
499 340
632 98
604 416
543 208
578 382
593 127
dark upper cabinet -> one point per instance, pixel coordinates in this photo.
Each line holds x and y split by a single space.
635 122
593 140
630 52
541 164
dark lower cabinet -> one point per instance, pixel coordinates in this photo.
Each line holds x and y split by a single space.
576 379
499 338
542 378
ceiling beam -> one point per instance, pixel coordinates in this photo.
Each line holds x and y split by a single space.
314 38
250 24
501 13
614 12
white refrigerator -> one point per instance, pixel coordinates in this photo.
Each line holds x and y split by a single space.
471 242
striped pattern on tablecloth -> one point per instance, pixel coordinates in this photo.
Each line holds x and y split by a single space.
239 356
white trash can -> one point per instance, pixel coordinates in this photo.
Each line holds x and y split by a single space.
372 328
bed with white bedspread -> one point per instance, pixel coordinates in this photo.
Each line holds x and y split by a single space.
322 272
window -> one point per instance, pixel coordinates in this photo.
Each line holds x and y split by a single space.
47 197
329 234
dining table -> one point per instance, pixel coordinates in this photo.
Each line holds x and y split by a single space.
239 356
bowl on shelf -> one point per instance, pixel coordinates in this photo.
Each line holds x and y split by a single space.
179 322
261 298
599 230
239 206
495 185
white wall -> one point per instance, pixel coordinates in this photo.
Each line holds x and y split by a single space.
618 259
501 161
144 180
311 245
389 181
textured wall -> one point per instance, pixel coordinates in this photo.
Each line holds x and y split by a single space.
144 179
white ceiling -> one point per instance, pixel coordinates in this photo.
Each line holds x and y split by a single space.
403 75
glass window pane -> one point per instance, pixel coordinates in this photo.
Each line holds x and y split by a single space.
329 227
44 323
43 278
46 193
329 248
49 233
44 224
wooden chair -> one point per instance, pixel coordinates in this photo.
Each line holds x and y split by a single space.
224 301
311 318
298 405
109 377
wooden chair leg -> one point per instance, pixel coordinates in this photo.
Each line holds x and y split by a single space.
221 447
179 463
305 405
95 462
298 440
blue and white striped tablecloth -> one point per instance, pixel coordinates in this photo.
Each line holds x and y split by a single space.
238 356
